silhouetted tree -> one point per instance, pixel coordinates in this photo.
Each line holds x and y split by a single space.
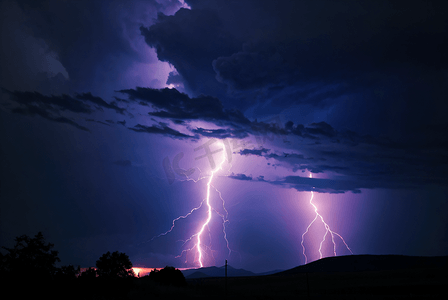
168 276
67 272
114 265
90 273
30 258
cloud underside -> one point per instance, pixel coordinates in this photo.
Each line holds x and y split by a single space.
162 129
376 67
172 106
54 107
342 185
373 73
357 161
354 167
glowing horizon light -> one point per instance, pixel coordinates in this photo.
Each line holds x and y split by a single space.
136 271
327 229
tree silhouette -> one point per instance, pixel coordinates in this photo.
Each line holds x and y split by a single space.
168 276
114 265
90 273
30 258
67 272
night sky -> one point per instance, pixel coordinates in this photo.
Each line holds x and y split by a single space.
108 109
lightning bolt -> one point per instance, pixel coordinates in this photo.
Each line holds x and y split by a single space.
175 220
209 214
327 230
199 247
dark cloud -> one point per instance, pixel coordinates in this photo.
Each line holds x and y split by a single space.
221 133
120 100
360 66
100 102
170 104
321 185
362 84
362 161
96 121
308 43
324 131
260 178
333 186
62 102
258 152
179 106
170 34
321 128
296 161
161 129
51 103
306 184
33 110
371 162
174 78
51 107
302 58
48 107
240 176
290 156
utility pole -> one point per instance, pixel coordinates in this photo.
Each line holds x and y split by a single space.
226 279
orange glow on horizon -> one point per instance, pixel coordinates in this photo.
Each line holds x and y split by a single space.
143 271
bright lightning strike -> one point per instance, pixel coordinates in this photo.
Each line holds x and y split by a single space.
209 214
327 230
199 246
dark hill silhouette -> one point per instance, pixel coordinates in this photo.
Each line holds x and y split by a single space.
269 272
354 276
349 263
218 272
359 263
197 274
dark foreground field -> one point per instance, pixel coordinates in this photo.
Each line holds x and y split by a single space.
362 277
420 283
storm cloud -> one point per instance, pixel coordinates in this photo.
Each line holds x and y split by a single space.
111 112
